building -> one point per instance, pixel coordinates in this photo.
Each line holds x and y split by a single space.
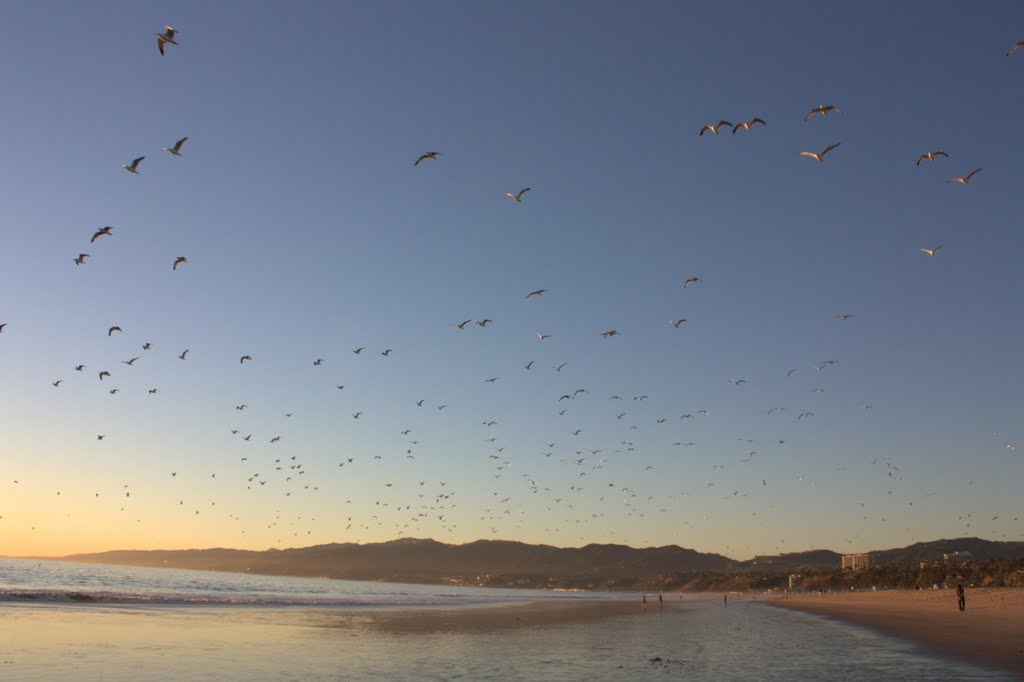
957 557
856 562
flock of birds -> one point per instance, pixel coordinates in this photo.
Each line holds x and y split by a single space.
434 501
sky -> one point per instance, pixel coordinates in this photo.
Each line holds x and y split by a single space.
762 424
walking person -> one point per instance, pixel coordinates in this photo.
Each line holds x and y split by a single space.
961 596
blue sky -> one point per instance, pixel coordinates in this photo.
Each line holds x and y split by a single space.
309 232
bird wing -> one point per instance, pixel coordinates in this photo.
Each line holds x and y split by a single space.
971 174
160 43
757 120
920 159
522 192
810 113
177 145
810 154
830 148
1013 48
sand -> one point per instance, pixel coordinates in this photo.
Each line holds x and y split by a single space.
502 617
989 632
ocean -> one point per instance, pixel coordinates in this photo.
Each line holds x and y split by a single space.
62 620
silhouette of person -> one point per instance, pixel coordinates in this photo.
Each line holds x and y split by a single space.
725 599
661 603
961 596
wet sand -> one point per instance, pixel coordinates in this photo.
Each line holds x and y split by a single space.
506 616
989 632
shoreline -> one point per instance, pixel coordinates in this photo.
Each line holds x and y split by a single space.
990 632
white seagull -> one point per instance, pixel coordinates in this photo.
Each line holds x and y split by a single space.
819 156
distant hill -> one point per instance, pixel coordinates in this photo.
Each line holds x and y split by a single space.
498 562
428 561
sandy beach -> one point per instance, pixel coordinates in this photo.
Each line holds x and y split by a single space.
989 632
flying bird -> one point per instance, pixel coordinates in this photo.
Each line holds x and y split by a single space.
115 328
819 156
823 110
677 323
930 156
184 354
843 316
81 258
166 37
427 155
178 261
965 180
244 358
176 149
101 232
104 373
931 252
461 325
748 125
713 128
130 363
1013 48
691 280
543 336
518 196
609 333
536 292
133 167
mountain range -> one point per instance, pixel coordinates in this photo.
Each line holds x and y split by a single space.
515 563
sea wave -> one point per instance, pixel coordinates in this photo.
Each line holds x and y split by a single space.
122 598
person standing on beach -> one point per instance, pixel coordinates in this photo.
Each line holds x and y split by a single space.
961 596
643 603
725 599
661 603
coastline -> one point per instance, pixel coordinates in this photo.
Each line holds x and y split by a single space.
990 632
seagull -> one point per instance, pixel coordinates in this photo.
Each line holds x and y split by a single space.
131 362
427 155
932 252
543 336
930 156
609 333
536 292
518 196
2 327
104 373
461 325
100 232
178 261
318 362
528 365
713 128
823 110
244 358
1013 48
176 149
676 323
737 382
559 367
484 323
115 328
818 157
184 353
965 180
747 126
81 258
387 352
147 346
356 415
166 37
843 316
691 280
133 166
359 350
79 368
57 383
